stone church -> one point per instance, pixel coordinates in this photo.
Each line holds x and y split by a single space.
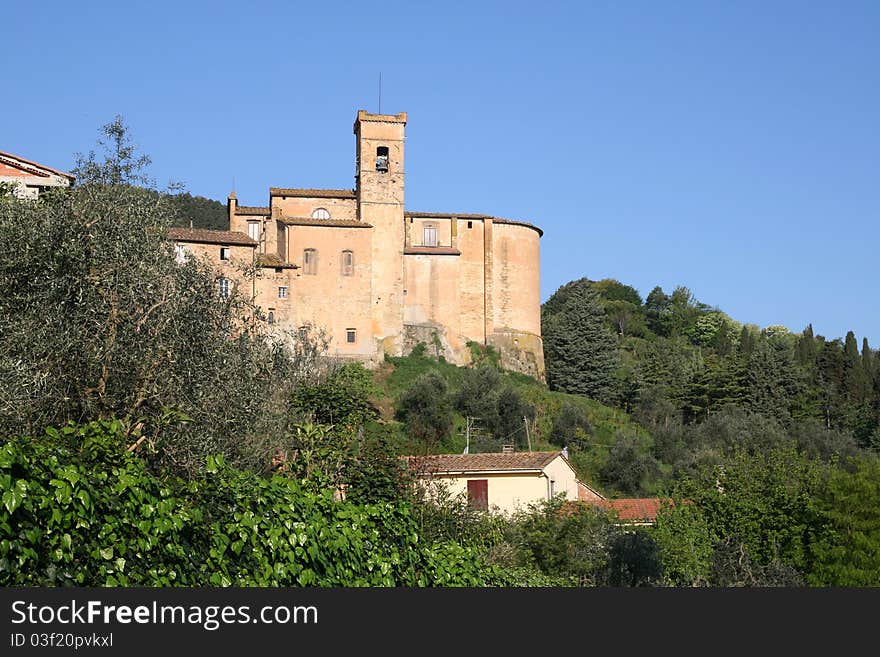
379 278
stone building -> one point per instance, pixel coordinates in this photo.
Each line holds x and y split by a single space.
378 278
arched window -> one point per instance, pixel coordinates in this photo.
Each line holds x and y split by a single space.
348 263
321 213
310 261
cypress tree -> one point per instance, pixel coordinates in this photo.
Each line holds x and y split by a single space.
853 375
867 362
746 344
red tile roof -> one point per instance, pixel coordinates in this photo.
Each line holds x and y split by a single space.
251 209
643 509
35 164
273 260
210 236
312 193
491 462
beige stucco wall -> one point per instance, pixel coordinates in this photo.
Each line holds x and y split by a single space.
267 283
472 299
239 256
517 278
507 492
239 223
328 299
432 299
564 478
511 491
417 231
297 206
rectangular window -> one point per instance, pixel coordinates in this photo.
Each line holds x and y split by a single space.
310 261
224 253
282 292
180 252
254 230
223 286
430 236
350 336
478 494
348 263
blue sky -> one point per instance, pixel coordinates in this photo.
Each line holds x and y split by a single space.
729 147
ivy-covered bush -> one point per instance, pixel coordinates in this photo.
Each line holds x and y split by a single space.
77 509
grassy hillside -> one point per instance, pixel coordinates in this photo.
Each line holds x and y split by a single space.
396 375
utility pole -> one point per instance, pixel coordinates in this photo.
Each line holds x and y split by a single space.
468 426
528 437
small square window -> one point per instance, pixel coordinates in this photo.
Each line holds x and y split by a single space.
350 336
224 253
282 292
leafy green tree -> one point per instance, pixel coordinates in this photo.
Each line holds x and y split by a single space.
571 427
580 352
342 398
122 164
512 410
657 311
772 380
426 409
629 467
685 544
99 321
762 506
477 395
613 290
199 212
634 560
571 540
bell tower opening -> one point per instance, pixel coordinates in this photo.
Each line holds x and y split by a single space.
382 159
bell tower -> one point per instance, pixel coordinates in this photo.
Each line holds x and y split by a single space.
379 182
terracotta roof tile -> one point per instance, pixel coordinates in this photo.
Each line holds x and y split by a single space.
312 193
210 236
252 209
274 260
644 509
35 164
494 461
333 223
